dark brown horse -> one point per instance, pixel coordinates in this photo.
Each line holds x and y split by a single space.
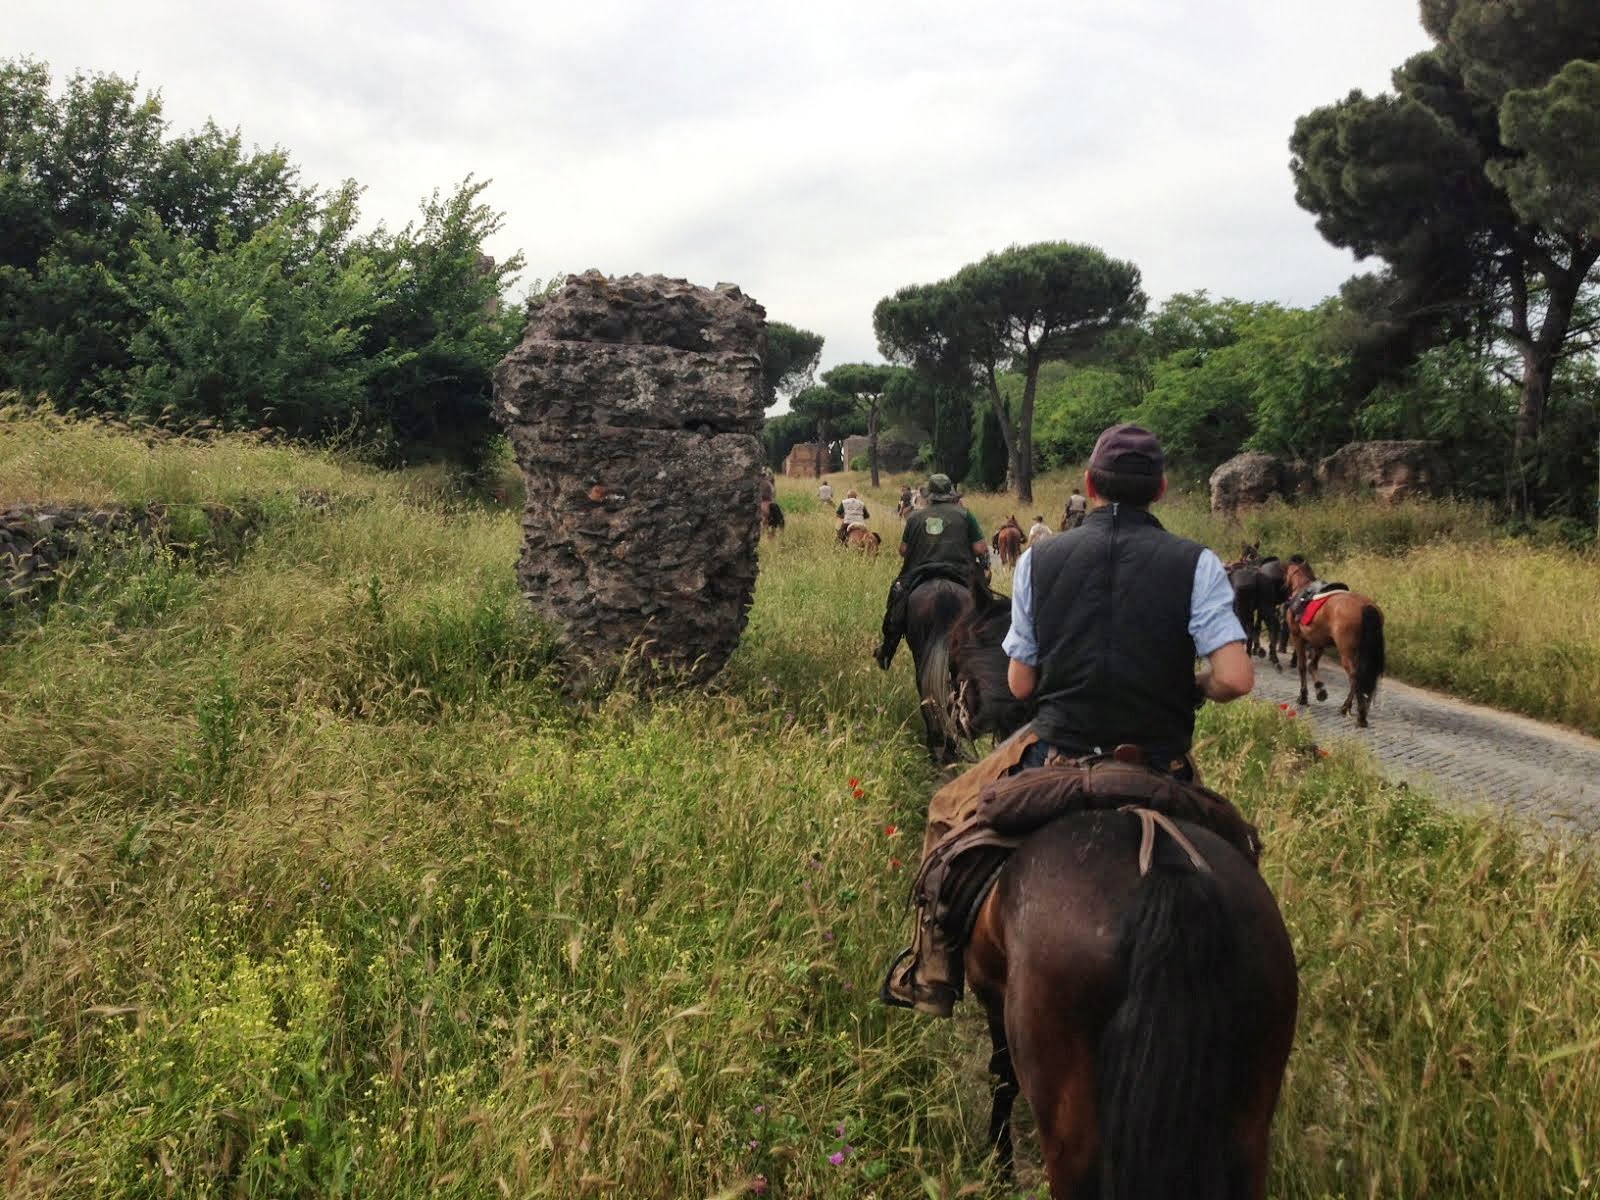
1353 625
771 518
955 633
1008 542
1146 1018
932 611
1259 593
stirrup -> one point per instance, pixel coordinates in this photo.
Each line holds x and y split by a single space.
884 994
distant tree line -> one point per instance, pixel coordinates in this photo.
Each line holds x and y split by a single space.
186 279
1476 185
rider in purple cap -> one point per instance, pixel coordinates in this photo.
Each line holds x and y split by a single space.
1106 623
1108 619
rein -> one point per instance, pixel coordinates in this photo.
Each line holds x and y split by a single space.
1149 820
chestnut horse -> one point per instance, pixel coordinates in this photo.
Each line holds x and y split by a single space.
861 538
1353 625
1008 542
1147 1017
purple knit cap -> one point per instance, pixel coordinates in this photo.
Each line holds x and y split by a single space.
1127 450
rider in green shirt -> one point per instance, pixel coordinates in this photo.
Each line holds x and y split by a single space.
941 541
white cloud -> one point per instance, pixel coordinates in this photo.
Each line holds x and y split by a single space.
820 154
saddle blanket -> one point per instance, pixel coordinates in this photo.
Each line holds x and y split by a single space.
1314 605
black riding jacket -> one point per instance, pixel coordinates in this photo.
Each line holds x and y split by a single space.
1111 608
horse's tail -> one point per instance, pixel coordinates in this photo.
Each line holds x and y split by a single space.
1166 1061
1370 653
938 687
937 683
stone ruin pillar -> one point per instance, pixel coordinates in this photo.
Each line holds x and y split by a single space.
633 406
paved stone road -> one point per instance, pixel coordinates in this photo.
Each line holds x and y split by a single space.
1459 751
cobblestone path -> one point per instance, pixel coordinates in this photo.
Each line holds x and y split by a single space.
1458 751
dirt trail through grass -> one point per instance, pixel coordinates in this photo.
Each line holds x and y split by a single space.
1461 752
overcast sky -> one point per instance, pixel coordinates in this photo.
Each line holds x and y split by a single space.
819 154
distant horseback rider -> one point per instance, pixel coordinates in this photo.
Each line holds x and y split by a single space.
905 502
941 541
1075 512
1106 623
825 492
852 510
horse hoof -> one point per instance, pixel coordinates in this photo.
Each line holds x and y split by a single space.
1322 695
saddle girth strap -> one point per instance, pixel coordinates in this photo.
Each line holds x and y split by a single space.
1149 820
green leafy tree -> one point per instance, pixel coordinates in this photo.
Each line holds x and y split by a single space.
435 329
869 384
827 410
952 429
791 361
81 174
1474 182
260 332
1016 308
990 457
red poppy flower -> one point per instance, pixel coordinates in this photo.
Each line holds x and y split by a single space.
894 864
858 794
854 783
890 830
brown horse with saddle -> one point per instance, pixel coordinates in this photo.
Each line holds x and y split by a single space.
1332 615
1139 984
1105 908
1008 542
859 537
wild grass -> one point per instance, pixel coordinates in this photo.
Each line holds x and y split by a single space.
50 459
312 884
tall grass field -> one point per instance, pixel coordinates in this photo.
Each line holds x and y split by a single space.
312 884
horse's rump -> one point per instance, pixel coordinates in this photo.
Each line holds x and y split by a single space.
1178 1028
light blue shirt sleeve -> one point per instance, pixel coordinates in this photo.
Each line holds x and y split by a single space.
1020 643
1212 622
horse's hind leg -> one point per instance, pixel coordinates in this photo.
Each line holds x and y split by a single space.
1005 1087
1300 665
1316 678
1057 1074
1348 662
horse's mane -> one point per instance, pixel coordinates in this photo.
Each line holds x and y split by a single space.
981 664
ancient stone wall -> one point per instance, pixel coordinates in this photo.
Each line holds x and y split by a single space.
802 462
633 405
36 541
